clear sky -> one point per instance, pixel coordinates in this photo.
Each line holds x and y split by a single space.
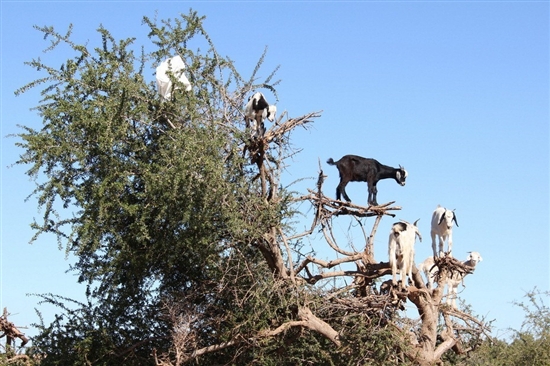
455 91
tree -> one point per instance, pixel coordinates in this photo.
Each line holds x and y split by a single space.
184 233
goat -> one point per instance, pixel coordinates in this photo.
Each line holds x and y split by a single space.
401 250
164 83
442 226
429 269
353 168
256 111
457 278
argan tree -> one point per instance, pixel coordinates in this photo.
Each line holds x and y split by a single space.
184 232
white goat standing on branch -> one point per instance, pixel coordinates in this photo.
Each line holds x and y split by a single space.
401 250
442 226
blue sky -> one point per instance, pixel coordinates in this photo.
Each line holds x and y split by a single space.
456 92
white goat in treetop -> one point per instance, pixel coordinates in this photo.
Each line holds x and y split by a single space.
456 277
442 227
401 250
164 84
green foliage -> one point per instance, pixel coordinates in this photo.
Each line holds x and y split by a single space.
150 195
529 345
88 333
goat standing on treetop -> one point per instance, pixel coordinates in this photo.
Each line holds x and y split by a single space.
164 83
353 168
453 279
442 227
256 111
401 250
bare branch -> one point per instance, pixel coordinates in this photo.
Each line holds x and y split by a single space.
278 130
10 331
329 237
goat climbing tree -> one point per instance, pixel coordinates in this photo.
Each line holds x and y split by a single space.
185 235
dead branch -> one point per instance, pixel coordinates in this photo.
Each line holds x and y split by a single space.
307 320
329 238
369 248
322 276
333 207
278 130
258 150
10 331
317 219
449 340
289 255
318 325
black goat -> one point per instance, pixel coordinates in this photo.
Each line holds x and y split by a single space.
353 168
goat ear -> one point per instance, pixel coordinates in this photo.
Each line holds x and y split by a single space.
402 171
398 175
454 218
417 233
441 218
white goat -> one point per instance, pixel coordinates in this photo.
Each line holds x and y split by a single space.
457 278
427 267
442 226
401 250
164 84
454 280
256 111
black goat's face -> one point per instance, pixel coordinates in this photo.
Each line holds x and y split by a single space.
401 175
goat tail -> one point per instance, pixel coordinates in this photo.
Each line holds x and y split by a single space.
331 162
